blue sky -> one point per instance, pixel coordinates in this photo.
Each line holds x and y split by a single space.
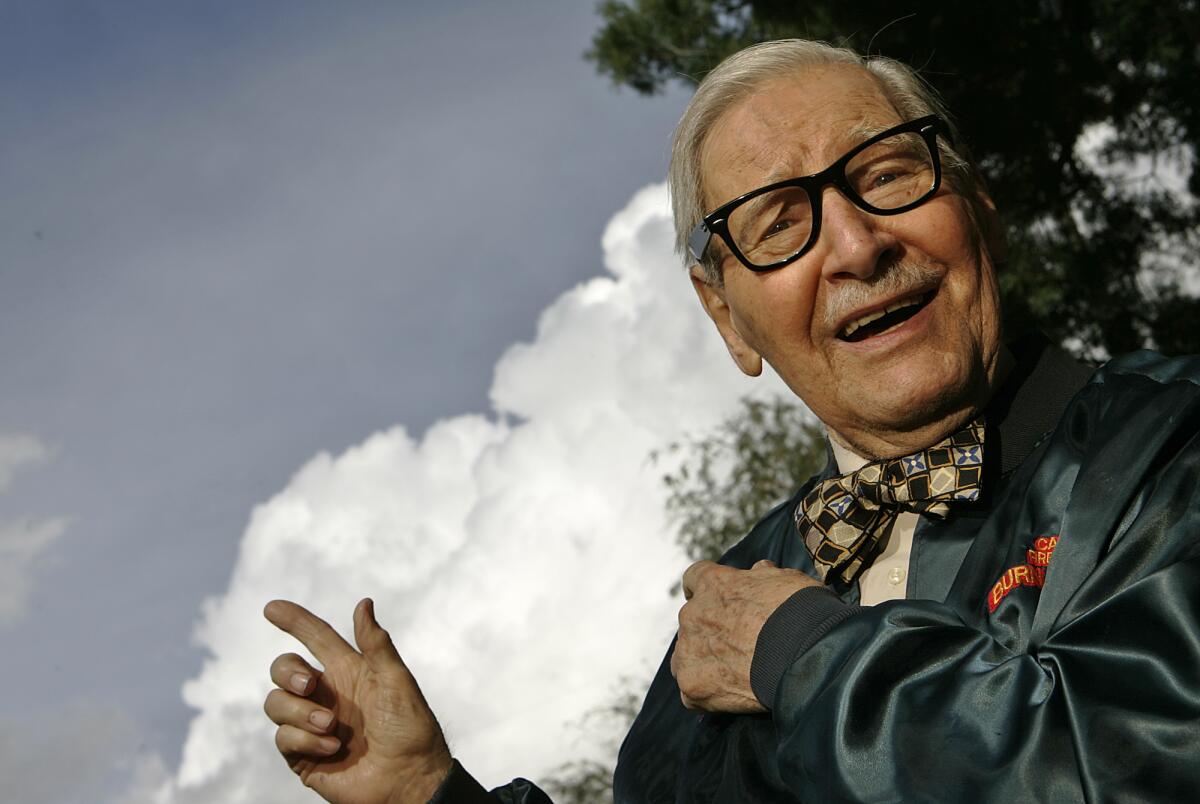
324 300
234 235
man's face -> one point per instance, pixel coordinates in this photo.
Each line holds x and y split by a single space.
884 389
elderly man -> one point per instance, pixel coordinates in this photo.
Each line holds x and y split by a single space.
990 593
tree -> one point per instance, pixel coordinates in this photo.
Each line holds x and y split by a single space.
1083 115
728 478
725 481
1097 243
589 781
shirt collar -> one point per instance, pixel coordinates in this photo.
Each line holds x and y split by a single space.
1032 399
1023 412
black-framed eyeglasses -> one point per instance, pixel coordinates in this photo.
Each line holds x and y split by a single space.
770 227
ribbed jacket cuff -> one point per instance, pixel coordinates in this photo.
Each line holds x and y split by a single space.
460 787
791 630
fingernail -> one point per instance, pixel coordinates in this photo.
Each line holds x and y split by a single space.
320 719
299 682
330 744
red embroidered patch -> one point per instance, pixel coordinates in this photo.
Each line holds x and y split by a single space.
1032 573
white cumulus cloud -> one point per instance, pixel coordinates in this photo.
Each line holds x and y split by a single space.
522 560
23 542
18 450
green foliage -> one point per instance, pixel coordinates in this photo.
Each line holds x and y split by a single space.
582 782
647 45
589 781
1097 245
729 478
725 482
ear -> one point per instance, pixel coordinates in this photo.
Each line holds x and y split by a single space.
990 226
712 299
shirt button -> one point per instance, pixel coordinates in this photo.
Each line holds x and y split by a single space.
896 575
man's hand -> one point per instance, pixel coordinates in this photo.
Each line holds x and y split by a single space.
360 732
718 628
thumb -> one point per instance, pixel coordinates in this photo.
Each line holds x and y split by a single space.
765 562
374 642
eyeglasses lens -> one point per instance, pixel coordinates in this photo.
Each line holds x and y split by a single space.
892 174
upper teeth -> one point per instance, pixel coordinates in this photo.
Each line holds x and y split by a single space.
878 314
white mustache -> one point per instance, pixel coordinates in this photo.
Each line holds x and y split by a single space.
898 279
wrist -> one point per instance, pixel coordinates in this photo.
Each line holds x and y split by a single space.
419 785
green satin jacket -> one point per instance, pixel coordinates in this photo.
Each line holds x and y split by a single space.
984 685
1048 650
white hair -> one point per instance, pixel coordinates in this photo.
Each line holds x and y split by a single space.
743 72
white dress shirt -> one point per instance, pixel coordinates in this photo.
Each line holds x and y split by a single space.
887 577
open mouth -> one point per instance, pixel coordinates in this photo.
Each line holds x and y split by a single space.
880 321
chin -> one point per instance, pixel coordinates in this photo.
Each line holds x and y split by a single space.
915 397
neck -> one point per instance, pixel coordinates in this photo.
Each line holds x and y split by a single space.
873 445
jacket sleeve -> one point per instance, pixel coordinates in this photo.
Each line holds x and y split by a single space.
906 701
1088 689
460 787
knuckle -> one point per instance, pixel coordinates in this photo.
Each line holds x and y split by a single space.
683 679
291 740
693 681
698 575
378 638
688 701
281 741
284 663
280 706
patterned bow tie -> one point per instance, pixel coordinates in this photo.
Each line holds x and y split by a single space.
844 520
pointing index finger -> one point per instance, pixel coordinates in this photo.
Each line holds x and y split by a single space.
326 644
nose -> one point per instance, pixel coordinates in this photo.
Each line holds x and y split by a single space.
854 243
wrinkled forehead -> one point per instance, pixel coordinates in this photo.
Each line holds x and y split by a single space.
790 126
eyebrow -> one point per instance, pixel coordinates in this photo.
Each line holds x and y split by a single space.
865 131
756 204
859 134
